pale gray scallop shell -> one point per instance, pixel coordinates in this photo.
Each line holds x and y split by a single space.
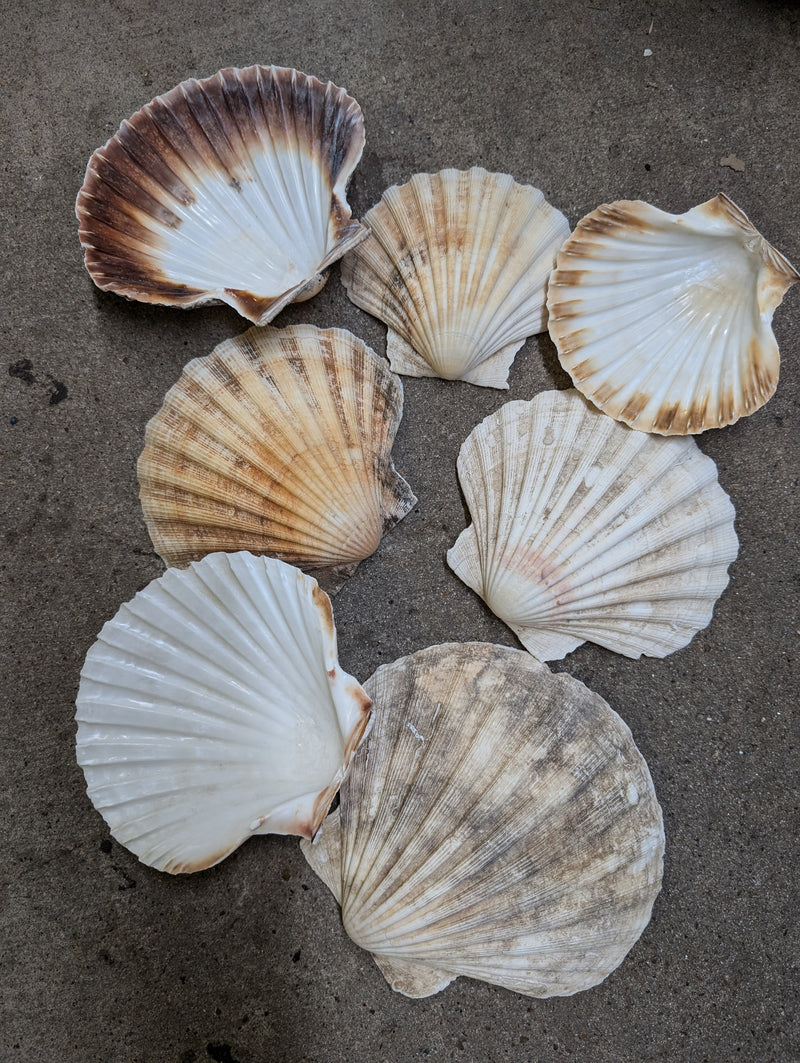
499 823
213 707
584 529
456 265
664 320
230 189
278 442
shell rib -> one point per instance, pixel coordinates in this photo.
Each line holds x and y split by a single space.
499 823
212 707
456 265
278 442
664 320
230 189
583 529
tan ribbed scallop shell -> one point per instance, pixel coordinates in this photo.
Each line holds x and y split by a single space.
584 529
230 189
499 823
456 265
278 442
664 320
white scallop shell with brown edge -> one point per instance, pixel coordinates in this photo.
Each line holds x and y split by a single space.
278 442
213 707
456 266
230 189
664 320
499 824
586 530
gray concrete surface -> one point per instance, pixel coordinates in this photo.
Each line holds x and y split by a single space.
105 960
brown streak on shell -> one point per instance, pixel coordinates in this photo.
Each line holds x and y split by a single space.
323 604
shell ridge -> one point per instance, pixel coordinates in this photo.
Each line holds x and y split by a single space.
394 760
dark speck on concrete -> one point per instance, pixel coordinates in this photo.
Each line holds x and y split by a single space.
105 845
22 370
296 956
58 392
220 1053
15 420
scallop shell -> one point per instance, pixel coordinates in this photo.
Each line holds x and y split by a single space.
277 442
212 707
499 823
230 189
663 320
583 529
456 266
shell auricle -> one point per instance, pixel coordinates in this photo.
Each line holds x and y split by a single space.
499 824
278 442
664 321
583 529
213 707
456 265
230 189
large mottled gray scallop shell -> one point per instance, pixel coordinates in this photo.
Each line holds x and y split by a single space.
230 189
278 442
664 320
499 824
583 529
213 707
456 264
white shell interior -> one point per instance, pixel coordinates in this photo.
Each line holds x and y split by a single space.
212 707
663 320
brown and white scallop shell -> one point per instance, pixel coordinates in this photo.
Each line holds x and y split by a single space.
664 320
584 529
499 824
278 442
456 265
230 189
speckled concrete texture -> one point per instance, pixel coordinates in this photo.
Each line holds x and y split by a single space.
106 960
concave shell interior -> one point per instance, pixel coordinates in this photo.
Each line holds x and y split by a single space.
230 189
664 320
213 707
585 529
278 442
456 265
499 823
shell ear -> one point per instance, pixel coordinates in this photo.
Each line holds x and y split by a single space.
230 189
664 320
583 529
278 442
456 266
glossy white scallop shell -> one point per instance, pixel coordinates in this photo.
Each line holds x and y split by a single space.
456 265
584 529
212 707
230 189
499 823
664 320
278 442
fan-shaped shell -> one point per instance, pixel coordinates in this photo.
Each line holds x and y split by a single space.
212 707
456 265
277 442
664 320
229 189
499 823
584 529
